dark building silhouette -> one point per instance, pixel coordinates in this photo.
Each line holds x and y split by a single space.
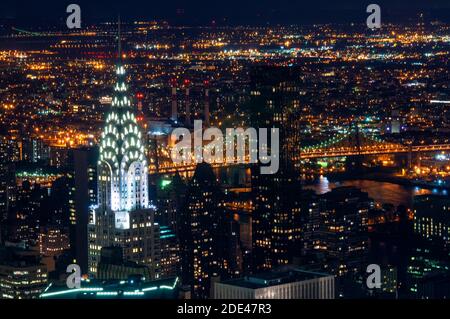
112 266
170 196
8 194
201 232
276 219
336 238
83 194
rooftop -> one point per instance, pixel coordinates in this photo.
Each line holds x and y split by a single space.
124 289
274 278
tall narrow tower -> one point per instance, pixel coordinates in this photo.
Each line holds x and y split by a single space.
206 106
174 110
187 102
123 216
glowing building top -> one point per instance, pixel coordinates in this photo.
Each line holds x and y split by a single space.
122 167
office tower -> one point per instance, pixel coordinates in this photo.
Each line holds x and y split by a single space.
22 275
187 102
10 150
337 238
8 154
311 222
83 195
389 281
54 213
170 252
275 102
432 218
342 232
427 260
25 218
7 189
206 112
429 256
53 241
232 251
124 216
35 150
200 231
174 107
170 196
283 283
56 209
275 220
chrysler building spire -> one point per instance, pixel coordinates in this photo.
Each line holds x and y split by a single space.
123 184
123 216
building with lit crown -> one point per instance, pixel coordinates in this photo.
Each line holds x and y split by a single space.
123 216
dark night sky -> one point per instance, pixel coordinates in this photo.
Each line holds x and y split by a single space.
222 12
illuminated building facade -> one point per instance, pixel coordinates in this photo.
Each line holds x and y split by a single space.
431 217
83 194
124 216
170 252
53 241
429 259
275 220
342 234
7 189
22 275
279 284
200 229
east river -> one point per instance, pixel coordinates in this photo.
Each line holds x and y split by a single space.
381 192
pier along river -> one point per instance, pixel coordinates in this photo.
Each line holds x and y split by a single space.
381 192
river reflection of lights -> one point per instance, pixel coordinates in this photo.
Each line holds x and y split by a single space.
381 192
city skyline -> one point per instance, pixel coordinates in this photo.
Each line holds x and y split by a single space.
113 187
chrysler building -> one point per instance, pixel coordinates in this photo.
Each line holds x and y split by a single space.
123 216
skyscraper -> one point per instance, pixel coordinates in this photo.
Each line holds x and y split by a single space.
431 218
275 220
336 234
200 230
123 216
22 275
83 194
